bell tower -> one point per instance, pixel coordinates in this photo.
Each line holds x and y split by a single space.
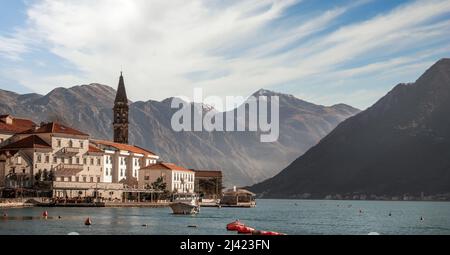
120 112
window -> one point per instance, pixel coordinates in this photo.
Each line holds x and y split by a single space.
92 179
55 160
92 161
70 161
58 142
70 143
78 160
147 178
47 158
84 178
98 179
85 161
99 161
39 158
81 144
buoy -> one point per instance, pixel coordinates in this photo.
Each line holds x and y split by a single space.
271 233
233 226
245 230
45 214
421 218
59 217
88 222
390 214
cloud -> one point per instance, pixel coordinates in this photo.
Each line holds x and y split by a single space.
166 48
11 48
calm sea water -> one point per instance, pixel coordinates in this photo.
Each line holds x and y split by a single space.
288 216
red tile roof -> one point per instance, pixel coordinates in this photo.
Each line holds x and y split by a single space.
126 147
30 142
94 149
168 166
18 125
54 127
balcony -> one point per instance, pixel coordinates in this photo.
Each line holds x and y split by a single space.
68 170
68 151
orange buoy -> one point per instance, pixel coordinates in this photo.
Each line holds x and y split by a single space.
245 230
233 226
88 222
45 214
271 233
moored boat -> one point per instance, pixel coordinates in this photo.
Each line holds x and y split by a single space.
185 204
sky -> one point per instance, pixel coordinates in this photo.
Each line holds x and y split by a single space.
325 52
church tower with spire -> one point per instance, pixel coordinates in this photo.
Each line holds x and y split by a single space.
120 112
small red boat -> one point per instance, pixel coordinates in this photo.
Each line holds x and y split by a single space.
233 226
45 214
245 230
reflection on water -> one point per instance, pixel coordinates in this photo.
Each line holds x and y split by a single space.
286 216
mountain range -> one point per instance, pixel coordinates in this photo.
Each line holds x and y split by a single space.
241 156
400 145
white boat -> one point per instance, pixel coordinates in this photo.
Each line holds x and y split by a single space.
185 204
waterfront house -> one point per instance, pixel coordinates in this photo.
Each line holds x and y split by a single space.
177 179
238 198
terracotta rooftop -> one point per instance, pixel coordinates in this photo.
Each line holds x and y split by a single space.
168 166
54 127
94 149
126 147
18 125
30 142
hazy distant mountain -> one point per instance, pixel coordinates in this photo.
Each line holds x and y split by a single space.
241 156
400 145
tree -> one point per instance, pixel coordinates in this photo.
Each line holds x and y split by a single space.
38 176
51 176
45 175
159 184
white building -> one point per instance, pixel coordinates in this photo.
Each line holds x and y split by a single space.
122 161
178 179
